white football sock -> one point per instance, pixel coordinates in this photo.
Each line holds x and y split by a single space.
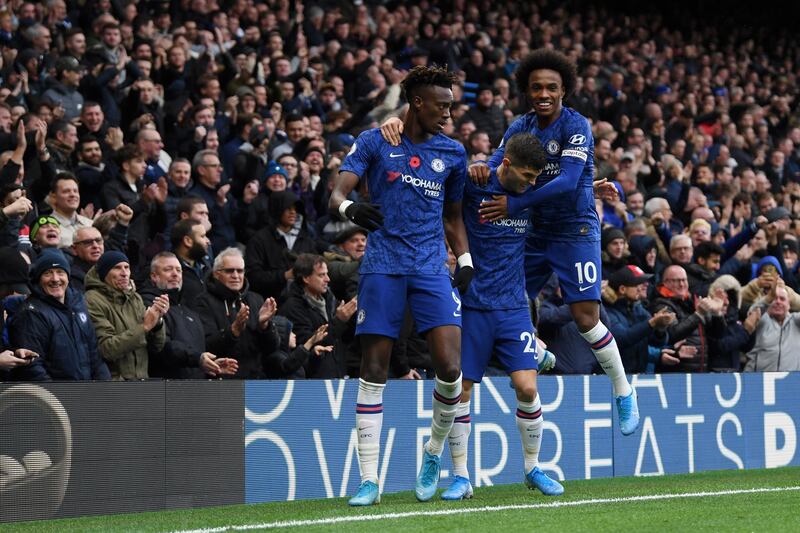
369 419
529 423
446 397
605 350
459 440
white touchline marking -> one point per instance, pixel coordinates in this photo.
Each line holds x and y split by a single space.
487 509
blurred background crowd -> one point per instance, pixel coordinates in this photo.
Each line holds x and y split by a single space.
165 169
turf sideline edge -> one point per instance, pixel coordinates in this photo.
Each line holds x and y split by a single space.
496 508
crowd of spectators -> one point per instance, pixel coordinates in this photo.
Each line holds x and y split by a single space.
165 169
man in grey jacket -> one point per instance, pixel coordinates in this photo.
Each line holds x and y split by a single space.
777 342
65 92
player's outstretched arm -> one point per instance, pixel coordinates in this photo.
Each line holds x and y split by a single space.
368 216
501 206
456 234
564 183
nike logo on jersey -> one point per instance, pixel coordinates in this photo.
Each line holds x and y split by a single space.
585 288
396 155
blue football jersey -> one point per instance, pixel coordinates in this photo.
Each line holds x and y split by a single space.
497 250
411 183
569 216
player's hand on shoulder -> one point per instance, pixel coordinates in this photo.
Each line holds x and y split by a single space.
478 172
391 130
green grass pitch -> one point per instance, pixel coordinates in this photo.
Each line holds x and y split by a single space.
700 508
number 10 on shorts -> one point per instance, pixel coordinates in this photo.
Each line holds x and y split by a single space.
586 271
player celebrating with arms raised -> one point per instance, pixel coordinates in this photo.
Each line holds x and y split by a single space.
565 235
496 315
415 184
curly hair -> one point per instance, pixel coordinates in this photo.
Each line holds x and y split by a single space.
544 58
421 75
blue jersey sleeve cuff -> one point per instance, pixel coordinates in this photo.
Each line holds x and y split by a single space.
514 206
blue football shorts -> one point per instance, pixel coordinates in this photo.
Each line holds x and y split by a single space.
382 302
577 265
508 333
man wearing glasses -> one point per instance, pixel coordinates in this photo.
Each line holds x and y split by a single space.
88 245
697 319
237 321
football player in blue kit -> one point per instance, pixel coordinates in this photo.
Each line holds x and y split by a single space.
411 187
565 233
496 314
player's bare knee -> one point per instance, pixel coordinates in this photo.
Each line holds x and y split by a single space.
585 314
373 375
448 372
526 392
373 370
585 321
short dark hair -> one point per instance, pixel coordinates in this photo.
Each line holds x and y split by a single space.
196 109
742 198
86 139
140 20
58 126
304 266
140 41
699 165
719 168
62 176
72 32
763 196
474 135
421 76
242 121
181 229
294 117
186 204
706 249
8 188
526 151
205 79
544 58
128 152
